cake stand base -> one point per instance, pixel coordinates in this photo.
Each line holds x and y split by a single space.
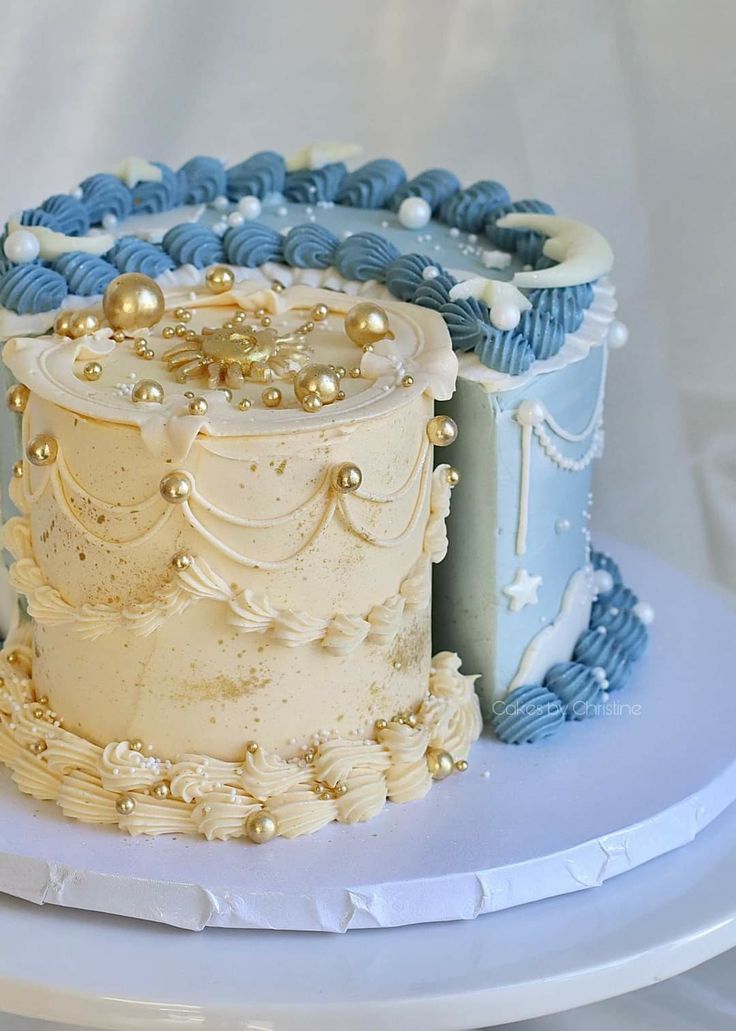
523 824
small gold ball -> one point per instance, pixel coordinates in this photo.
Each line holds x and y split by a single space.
340 370
355 372
180 330
381 724
277 286
82 324
189 394
61 323
239 317
198 406
347 478
227 392
17 398
312 403
167 332
136 745
441 430
461 765
182 314
148 354
140 346
175 488
38 714
219 279
309 756
160 791
190 335
341 395
453 477
271 397
37 747
148 391
18 469
439 763
43 700
407 381
244 404
260 827
317 379
252 747
42 450
266 321
125 805
367 323
133 301
181 561
320 312
92 371
119 336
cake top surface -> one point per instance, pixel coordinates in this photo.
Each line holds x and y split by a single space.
511 279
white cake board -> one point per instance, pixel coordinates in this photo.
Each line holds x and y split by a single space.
600 798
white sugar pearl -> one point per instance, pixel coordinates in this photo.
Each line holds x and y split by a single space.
505 315
430 272
618 334
603 581
644 611
282 212
220 203
249 207
21 246
562 526
109 221
77 192
531 412
414 213
235 218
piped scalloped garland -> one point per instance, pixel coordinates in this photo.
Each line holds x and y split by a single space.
104 200
601 663
257 798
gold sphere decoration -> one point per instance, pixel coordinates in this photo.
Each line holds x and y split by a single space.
61 323
148 391
271 397
175 488
252 747
320 312
453 477
407 381
18 470
17 398
461 765
260 827
133 301
198 406
160 791
367 323
37 747
136 745
381 725
125 805
219 279
181 561
312 403
317 379
82 324
42 450
244 404
92 371
347 478
439 763
441 430
355 372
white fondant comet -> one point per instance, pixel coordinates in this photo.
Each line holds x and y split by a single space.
505 302
52 244
316 155
583 253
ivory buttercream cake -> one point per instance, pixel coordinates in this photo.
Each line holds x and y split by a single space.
226 391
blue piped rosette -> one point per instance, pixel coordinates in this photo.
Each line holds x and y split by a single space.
601 663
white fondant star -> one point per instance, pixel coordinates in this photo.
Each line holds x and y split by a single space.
137 170
523 590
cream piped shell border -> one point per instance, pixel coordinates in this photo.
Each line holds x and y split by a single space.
348 780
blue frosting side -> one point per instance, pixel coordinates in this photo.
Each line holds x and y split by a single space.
511 239
435 186
527 714
39 217
372 185
434 292
365 256
201 179
312 185
253 244
529 248
598 648
71 215
468 322
404 276
600 560
29 289
561 303
626 629
542 332
619 598
151 198
259 175
85 274
468 209
310 246
506 351
131 254
104 194
193 244
577 687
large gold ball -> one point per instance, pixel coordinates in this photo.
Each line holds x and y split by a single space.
160 791
453 477
61 323
441 430
92 371
219 279
17 398
125 805
181 561
82 324
271 397
347 478
148 391
260 826
175 488
198 406
439 763
133 301
317 379
42 450
367 323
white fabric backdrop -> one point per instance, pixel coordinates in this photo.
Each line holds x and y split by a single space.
620 112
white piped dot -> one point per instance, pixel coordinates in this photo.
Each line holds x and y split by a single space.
562 526
430 272
235 218
618 335
531 412
644 611
603 581
220 203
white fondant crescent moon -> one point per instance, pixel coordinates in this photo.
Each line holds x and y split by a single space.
584 254
53 245
134 170
319 154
